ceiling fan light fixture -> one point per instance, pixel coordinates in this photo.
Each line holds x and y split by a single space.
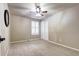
37 10
38 14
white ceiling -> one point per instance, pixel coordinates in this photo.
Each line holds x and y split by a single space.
28 9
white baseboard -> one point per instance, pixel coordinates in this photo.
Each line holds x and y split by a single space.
24 40
18 41
34 39
64 46
7 52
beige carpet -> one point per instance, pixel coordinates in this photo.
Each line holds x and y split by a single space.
39 48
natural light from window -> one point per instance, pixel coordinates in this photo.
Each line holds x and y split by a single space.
35 27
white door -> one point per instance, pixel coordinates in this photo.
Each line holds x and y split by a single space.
0 27
44 30
2 49
0 35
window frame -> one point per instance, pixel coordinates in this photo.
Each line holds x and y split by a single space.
34 28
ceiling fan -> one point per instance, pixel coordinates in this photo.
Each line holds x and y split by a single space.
39 12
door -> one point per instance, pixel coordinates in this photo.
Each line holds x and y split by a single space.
2 31
44 30
0 26
0 35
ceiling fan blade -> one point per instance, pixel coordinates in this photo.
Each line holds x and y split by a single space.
44 11
42 15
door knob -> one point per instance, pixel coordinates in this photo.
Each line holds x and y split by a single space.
1 39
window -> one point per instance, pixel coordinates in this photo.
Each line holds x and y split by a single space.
35 28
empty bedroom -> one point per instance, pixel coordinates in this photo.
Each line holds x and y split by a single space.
39 29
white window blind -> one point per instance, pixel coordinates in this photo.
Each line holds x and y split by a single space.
35 28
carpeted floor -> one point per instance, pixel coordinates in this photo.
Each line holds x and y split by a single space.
39 48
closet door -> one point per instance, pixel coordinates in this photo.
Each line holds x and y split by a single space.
44 30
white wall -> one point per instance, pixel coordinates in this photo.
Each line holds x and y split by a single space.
21 29
63 27
4 31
